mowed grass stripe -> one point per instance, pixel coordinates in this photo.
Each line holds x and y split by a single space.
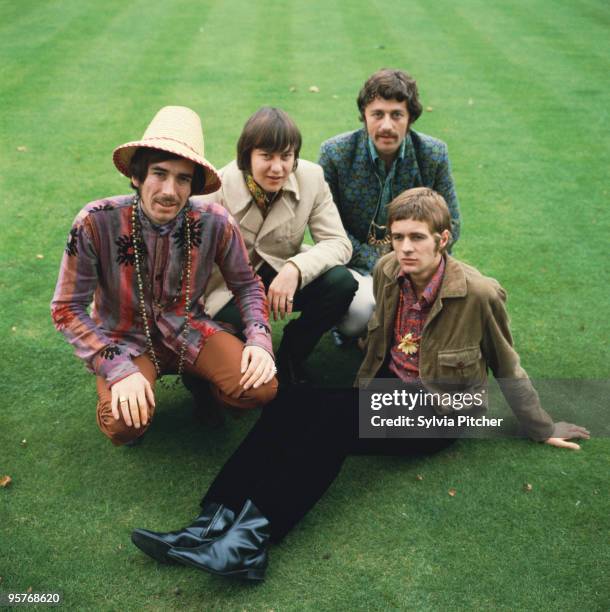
506 226
583 26
34 41
330 61
254 56
78 145
528 133
379 539
554 51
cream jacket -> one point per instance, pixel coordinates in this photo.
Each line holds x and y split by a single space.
305 201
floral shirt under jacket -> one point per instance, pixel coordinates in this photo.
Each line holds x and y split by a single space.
97 272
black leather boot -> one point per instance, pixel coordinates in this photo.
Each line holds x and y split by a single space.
239 552
212 522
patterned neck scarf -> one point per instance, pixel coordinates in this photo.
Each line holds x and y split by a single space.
262 199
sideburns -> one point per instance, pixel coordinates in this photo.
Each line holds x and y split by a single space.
437 242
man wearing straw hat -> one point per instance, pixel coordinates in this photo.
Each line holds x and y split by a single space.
144 260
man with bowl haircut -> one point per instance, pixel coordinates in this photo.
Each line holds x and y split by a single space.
369 167
144 262
275 197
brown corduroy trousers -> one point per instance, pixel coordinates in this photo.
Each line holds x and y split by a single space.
218 362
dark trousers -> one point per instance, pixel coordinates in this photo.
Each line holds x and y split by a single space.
295 451
322 303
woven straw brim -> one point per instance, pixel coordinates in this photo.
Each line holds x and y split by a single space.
122 158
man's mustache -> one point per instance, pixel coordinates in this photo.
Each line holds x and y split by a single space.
167 201
387 134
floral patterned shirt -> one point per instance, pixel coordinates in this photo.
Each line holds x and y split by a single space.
411 316
97 272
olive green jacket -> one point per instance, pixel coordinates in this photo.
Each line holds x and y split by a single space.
467 332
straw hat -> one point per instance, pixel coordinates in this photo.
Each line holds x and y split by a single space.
176 129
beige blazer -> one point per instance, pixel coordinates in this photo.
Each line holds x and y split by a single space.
305 201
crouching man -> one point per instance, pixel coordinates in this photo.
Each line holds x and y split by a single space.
275 197
367 168
144 262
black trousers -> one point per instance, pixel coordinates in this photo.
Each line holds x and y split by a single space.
295 451
321 303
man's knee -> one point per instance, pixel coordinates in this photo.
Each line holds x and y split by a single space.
118 431
355 322
247 399
338 282
265 393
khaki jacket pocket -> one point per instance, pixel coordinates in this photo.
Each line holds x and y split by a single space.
460 364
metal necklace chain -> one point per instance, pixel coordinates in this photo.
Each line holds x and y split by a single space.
137 241
380 244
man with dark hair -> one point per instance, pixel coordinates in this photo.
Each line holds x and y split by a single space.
143 264
275 198
367 168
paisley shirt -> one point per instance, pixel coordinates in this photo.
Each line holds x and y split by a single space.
357 187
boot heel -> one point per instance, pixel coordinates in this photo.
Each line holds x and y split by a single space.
255 574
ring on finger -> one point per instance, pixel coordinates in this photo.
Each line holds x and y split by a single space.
122 399
289 300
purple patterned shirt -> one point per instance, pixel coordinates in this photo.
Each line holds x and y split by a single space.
98 267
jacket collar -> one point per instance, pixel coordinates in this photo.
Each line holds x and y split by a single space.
236 191
375 154
454 280
409 167
238 198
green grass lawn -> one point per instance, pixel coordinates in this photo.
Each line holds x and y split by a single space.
519 91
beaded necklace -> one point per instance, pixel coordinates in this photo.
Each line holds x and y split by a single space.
138 243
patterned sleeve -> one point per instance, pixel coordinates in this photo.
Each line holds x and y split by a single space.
78 278
443 184
246 286
364 256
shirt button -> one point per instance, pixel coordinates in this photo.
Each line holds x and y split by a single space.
159 277
460 364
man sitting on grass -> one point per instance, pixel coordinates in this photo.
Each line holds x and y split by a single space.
437 321
145 262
